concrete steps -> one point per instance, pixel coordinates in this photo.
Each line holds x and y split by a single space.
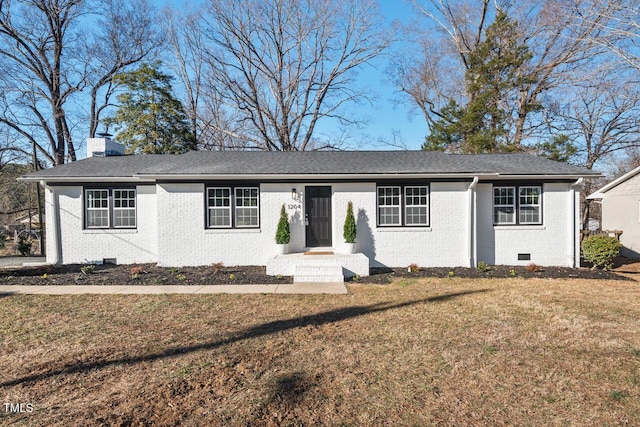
318 268
318 273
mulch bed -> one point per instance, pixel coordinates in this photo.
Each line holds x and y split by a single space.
139 274
150 274
386 275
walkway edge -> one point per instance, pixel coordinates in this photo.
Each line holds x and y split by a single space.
298 288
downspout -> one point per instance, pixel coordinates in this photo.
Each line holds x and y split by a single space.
575 239
472 222
53 231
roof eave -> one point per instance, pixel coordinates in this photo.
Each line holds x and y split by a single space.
81 179
599 194
547 176
147 178
314 176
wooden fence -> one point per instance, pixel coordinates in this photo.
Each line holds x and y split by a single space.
588 233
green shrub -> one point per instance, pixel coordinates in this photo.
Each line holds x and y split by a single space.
283 234
483 266
88 269
24 246
349 232
601 250
3 240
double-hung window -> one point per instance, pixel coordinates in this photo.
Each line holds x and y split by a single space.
406 205
517 205
504 205
529 205
246 207
416 207
110 208
124 208
389 206
219 207
229 207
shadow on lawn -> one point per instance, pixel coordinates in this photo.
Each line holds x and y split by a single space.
324 318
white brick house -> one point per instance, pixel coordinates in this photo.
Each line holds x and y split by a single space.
199 208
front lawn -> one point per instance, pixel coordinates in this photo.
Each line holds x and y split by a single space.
430 351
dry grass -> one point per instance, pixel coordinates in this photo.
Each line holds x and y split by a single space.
418 352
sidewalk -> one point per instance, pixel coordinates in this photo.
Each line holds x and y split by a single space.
21 261
299 288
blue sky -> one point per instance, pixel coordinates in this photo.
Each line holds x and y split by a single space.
384 115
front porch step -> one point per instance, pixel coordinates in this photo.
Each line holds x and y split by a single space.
348 265
305 273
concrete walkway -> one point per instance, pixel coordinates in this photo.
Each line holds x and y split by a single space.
21 261
298 288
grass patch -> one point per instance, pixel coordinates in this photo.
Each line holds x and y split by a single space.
407 353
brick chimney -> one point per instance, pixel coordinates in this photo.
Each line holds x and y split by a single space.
103 146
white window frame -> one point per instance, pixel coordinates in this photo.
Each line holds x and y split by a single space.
505 205
237 206
110 209
219 208
528 205
418 205
233 207
122 209
94 209
398 206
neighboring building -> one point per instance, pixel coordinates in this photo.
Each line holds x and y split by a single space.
428 208
621 210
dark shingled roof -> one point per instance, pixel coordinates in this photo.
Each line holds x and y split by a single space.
311 163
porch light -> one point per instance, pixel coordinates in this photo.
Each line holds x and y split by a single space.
294 194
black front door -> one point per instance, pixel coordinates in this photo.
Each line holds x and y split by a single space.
317 203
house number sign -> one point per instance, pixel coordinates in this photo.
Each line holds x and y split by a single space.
294 206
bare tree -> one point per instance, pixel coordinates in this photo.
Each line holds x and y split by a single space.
33 39
621 31
202 101
558 37
602 118
127 33
282 66
48 59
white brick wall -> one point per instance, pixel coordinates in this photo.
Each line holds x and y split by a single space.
171 228
549 243
192 244
443 243
90 246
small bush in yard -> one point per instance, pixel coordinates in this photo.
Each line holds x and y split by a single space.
88 269
349 230
413 268
3 240
217 267
283 233
532 268
24 246
136 271
483 266
601 250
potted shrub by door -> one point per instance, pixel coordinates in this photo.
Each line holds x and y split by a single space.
283 233
349 233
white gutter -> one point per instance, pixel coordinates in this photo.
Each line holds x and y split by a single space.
576 233
150 178
53 230
472 222
319 177
82 179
